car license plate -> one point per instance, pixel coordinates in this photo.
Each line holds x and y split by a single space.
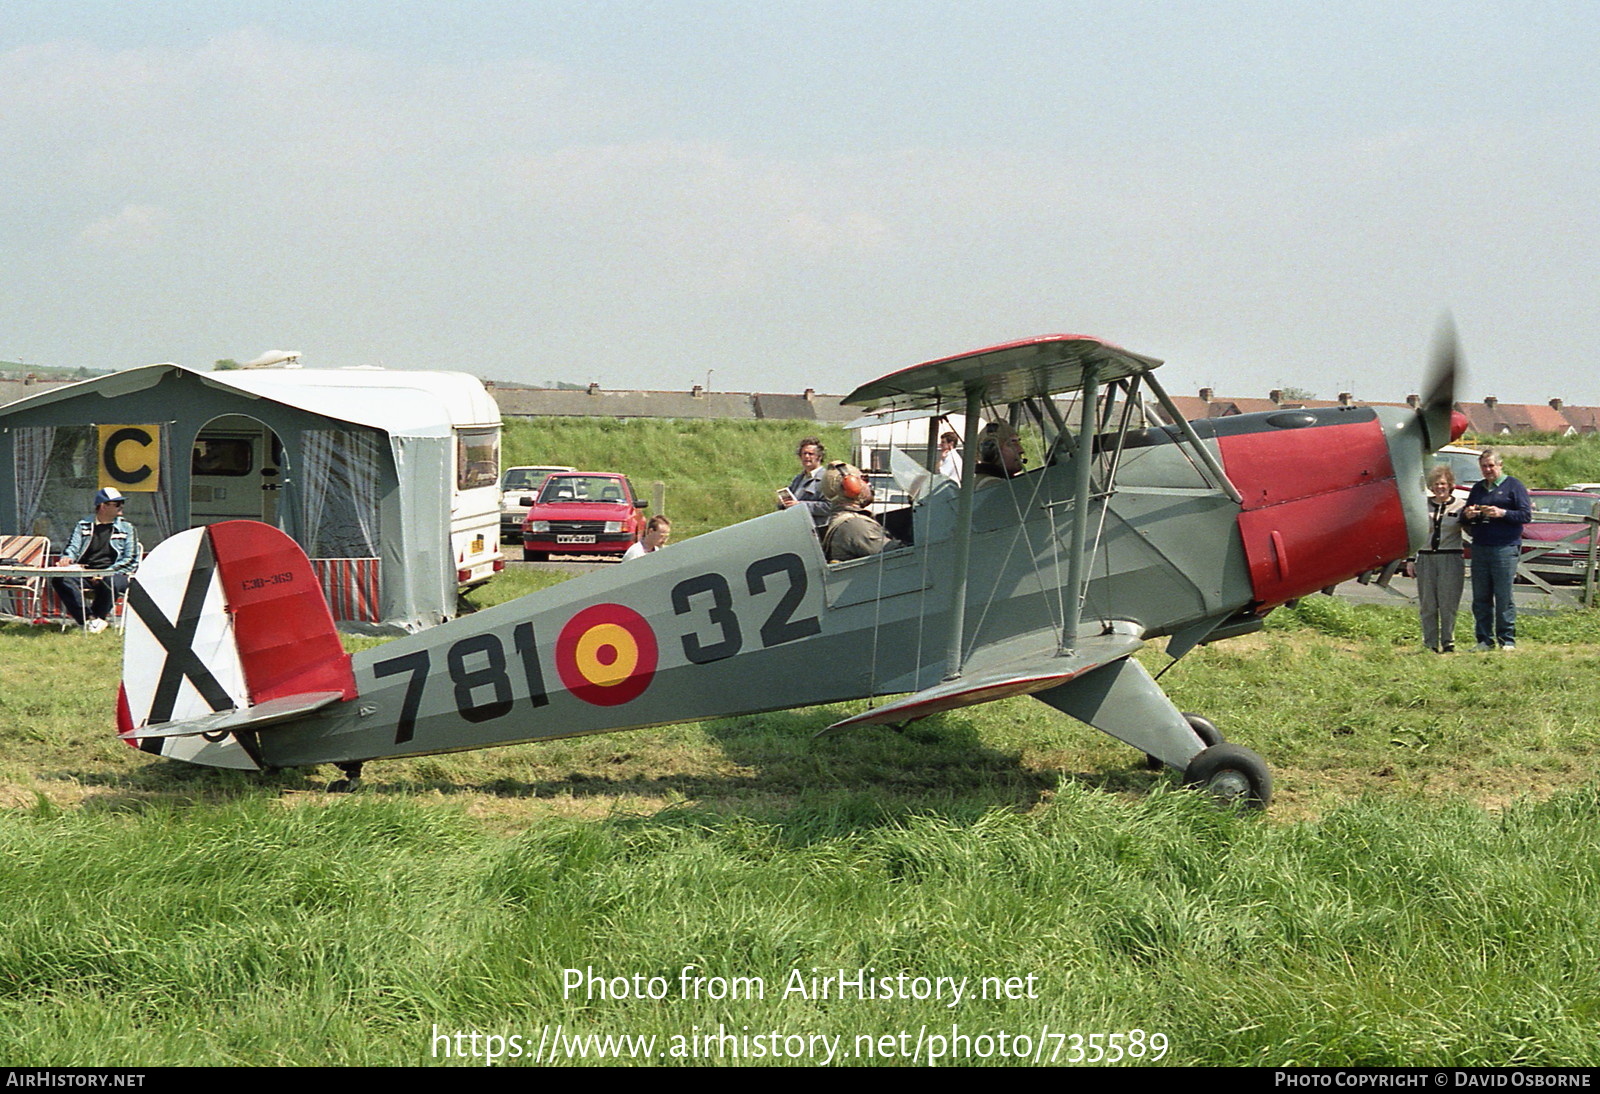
574 539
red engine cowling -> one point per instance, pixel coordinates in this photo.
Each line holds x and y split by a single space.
1320 505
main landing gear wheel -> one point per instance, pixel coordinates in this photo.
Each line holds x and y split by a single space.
1233 773
1203 727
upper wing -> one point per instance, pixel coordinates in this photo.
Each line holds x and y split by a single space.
1009 373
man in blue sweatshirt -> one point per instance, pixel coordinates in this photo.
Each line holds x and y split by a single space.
1497 508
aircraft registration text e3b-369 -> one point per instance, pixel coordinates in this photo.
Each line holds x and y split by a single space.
1043 583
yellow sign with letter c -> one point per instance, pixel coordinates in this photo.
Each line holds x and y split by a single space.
130 458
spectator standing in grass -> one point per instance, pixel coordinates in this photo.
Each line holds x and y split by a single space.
1497 508
1438 567
806 487
656 531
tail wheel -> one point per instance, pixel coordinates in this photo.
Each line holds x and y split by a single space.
351 780
1203 727
1232 773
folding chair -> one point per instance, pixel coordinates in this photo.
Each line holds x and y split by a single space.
21 594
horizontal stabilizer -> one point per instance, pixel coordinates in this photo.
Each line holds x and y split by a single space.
256 717
1018 676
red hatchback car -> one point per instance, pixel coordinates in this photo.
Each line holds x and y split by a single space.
582 513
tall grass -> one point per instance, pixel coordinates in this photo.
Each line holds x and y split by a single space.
1424 891
1389 933
1574 459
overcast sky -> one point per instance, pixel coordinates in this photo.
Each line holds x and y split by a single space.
806 194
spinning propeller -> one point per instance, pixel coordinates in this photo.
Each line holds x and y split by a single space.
1438 412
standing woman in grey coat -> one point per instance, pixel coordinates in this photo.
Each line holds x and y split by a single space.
1439 568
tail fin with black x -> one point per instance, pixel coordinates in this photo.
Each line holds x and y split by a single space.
227 630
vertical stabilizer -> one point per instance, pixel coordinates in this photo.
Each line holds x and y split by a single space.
223 618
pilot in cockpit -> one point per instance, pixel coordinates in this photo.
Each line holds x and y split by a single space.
999 454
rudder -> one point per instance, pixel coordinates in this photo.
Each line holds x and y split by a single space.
224 617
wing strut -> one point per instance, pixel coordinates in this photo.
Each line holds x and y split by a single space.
1076 563
958 582
1219 478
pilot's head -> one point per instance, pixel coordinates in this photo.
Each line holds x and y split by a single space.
999 444
845 486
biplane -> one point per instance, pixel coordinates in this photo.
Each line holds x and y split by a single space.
1044 583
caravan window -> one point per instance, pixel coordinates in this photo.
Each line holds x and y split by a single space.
477 457
222 456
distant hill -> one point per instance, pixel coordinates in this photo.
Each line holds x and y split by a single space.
16 370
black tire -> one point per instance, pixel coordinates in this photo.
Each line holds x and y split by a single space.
1234 774
1203 727
535 556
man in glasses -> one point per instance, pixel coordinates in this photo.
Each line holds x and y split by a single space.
806 487
105 541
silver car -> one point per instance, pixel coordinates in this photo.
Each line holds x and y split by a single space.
517 483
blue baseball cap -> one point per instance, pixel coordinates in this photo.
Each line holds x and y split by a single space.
108 493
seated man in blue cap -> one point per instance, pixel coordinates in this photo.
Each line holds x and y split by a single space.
105 541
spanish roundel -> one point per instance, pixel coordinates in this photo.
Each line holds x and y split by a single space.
606 655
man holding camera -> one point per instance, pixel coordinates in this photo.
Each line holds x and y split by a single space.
1497 508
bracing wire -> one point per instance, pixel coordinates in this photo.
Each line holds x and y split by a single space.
1130 390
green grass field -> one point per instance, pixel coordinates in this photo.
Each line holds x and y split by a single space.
1423 891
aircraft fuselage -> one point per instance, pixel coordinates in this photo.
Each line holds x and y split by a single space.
752 618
